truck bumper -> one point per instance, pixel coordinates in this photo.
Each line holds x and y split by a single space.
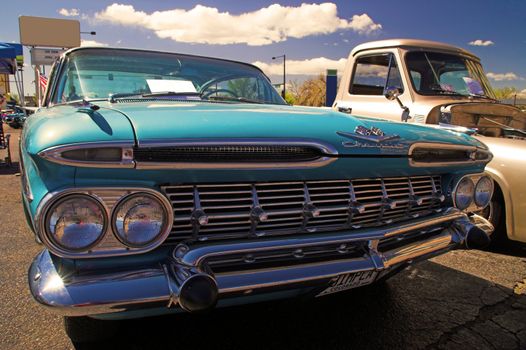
196 277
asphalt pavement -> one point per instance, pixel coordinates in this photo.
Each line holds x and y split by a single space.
461 300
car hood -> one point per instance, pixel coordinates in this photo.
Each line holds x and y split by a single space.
166 121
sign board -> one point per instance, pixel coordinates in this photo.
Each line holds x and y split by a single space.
49 32
45 56
331 86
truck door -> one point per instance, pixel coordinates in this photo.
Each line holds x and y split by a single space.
371 75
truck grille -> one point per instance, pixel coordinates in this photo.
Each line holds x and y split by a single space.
225 211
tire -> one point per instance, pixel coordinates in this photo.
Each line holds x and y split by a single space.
86 330
495 212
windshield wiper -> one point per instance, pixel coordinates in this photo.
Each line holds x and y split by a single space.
113 97
234 99
483 96
171 93
447 92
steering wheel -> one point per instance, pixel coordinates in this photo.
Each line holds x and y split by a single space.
230 92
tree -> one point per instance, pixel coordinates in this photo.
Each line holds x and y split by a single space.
310 93
505 92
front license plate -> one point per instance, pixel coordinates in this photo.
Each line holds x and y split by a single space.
349 281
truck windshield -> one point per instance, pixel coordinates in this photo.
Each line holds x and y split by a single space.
434 73
98 73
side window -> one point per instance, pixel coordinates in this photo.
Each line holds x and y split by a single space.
373 74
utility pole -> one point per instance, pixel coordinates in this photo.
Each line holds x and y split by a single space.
284 75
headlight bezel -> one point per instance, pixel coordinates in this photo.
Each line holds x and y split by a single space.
127 198
48 236
108 245
492 186
456 189
474 178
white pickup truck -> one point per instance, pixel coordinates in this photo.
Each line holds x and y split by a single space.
418 81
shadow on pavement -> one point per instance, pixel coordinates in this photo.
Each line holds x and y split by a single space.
9 169
427 306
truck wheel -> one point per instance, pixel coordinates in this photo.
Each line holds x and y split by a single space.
495 212
85 329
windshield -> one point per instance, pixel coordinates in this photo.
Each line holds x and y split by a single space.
434 73
99 73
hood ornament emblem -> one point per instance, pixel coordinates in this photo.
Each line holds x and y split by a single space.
373 134
371 138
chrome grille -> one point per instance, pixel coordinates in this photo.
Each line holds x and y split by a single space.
222 211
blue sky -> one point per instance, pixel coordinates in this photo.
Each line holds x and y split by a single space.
254 31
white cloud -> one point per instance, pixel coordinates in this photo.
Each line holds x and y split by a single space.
311 66
503 76
69 12
207 25
92 43
363 24
479 42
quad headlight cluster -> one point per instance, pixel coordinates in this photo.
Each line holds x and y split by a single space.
473 192
81 224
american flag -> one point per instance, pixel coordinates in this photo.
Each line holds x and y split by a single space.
43 83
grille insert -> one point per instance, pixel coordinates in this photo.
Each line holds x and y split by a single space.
225 211
228 153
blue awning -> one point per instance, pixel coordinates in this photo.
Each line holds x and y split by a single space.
10 55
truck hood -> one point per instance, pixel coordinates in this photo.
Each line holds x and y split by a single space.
485 116
166 121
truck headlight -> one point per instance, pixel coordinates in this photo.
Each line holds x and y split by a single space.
464 193
76 222
139 220
483 191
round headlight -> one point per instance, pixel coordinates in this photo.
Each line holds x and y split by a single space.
139 220
464 193
76 222
483 191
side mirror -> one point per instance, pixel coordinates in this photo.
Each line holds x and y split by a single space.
392 94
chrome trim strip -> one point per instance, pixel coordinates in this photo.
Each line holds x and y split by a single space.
109 292
447 146
109 245
196 256
54 154
325 148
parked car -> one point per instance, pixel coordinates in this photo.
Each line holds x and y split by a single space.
160 182
15 118
440 84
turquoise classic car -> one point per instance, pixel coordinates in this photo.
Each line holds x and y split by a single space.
160 182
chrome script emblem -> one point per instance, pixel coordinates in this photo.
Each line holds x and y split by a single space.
365 134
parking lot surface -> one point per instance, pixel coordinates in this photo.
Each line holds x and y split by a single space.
461 300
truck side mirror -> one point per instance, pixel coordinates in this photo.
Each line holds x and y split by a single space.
392 93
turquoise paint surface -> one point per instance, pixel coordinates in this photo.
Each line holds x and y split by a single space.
169 120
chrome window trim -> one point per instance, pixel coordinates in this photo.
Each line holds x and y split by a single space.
54 154
447 146
98 194
325 148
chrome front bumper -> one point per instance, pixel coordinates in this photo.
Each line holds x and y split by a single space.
186 279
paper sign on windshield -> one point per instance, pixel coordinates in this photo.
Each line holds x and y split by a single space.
159 85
